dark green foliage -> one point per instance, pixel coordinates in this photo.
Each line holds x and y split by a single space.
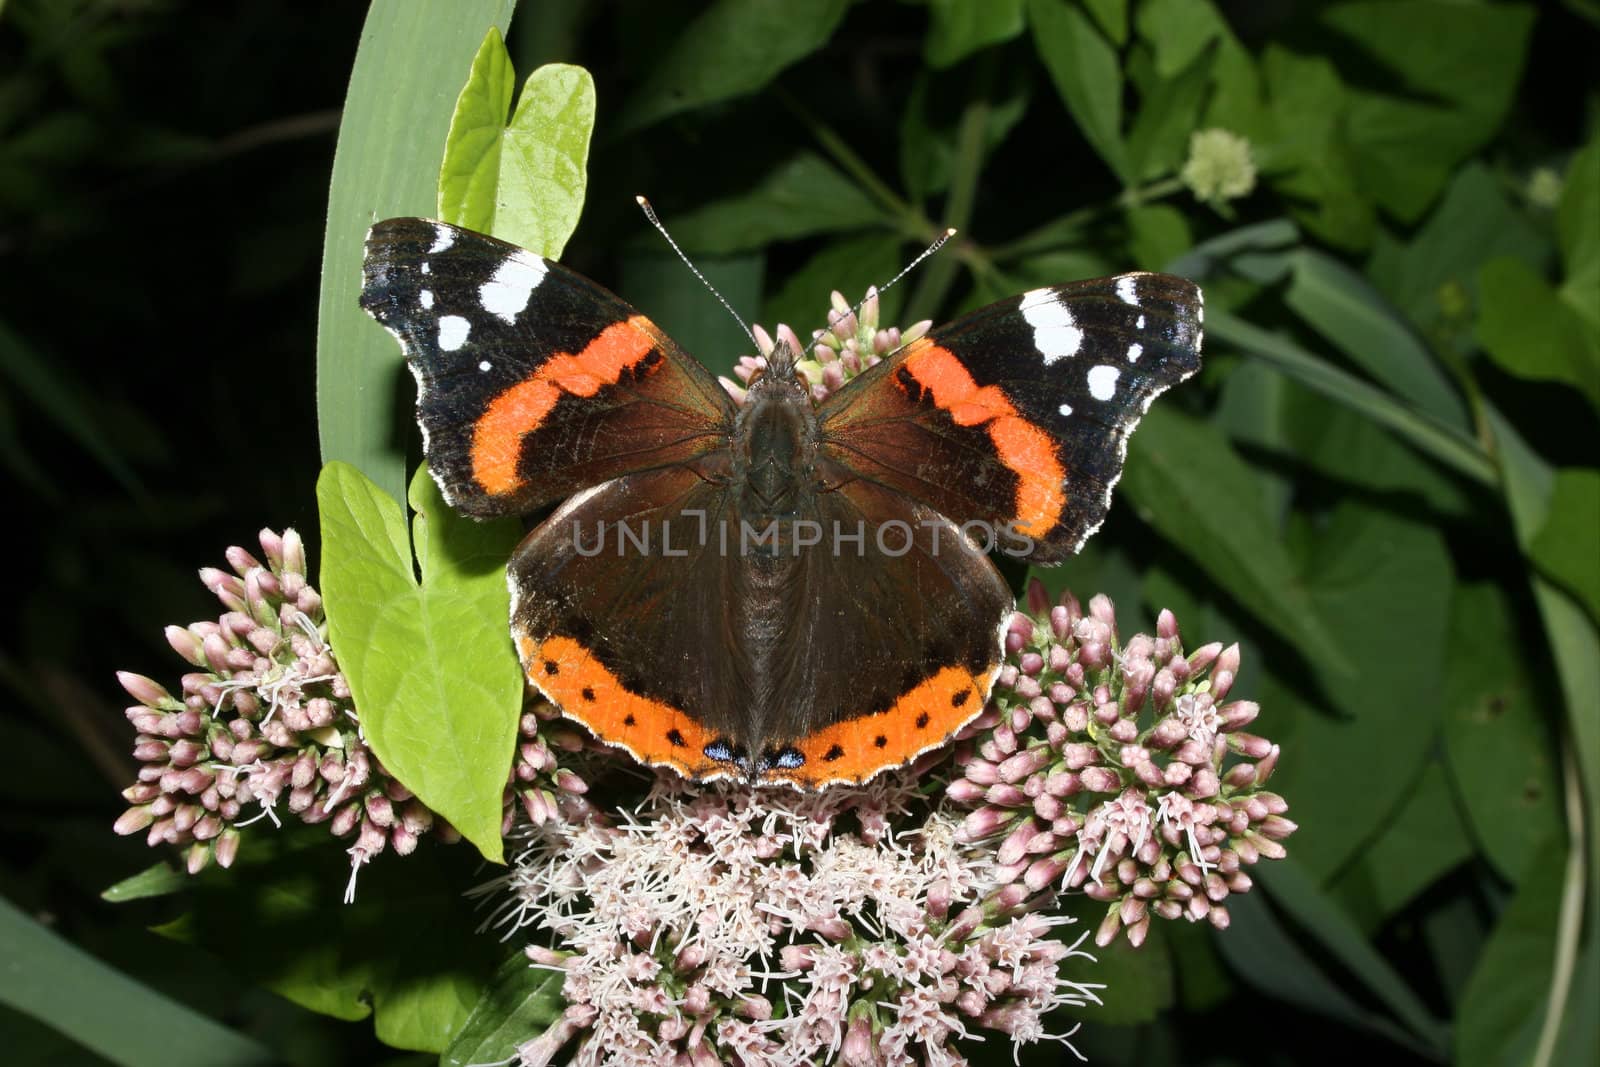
1384 483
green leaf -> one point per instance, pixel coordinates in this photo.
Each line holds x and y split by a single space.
803 196
1112 18
1578 221
1169 111
1157 234
1345 309
928 143
732 48
1503 1006
1496 737
1306 157
1177 31
1291 963
157 880
1531 332
1354 744
521 1002
1433 278
1218 522
1450 71
523 182
1139 982
404 951
1086 73
430 663
121 1019
391 137
1565 548
1422 843
1443 443
957 28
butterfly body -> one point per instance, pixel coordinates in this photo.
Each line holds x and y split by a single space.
779 591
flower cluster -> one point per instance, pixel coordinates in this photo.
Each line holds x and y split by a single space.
1220 166
852 342
264 725
720 924
1120 770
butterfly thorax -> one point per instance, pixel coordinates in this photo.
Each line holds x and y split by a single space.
774 447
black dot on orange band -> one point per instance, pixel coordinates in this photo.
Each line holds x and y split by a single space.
959 697
552 667
587 694
922 720
832 754
628 720
676 738
880 740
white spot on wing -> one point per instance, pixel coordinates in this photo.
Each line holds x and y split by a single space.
426 298
507 293
442 239
1103 382
485 365
1140 324
426 269
1055 332
1127 289
453 330
1065 409
1135 350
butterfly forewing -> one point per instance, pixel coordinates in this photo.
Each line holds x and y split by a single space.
1018 414
533 382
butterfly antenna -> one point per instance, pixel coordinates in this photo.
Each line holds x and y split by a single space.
650 213
909 267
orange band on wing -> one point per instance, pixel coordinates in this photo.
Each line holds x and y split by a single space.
1023 447
923 718
588 693
517 412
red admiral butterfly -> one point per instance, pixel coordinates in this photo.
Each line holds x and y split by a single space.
784 591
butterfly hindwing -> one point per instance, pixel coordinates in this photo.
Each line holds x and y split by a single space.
1018 414
533 382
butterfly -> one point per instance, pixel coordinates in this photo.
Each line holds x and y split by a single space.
782 591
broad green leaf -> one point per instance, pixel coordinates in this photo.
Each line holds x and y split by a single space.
960 27
1531 332
1433 278
1305 157
1112 18
1579 224
1177 31
524 181
1169 112
1420 845
407 72
1277 959
1084 68
849 265
1497 740
48 978
430 663
732 48
1341 306
158 880
518 1005
1184 479
1353 743
404 951
1498 1019
1139 982
1567 546
1443 443
1449 72
928 142
803 196
1157 234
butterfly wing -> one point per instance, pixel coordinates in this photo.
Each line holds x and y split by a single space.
699 645
1018 414
533 382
